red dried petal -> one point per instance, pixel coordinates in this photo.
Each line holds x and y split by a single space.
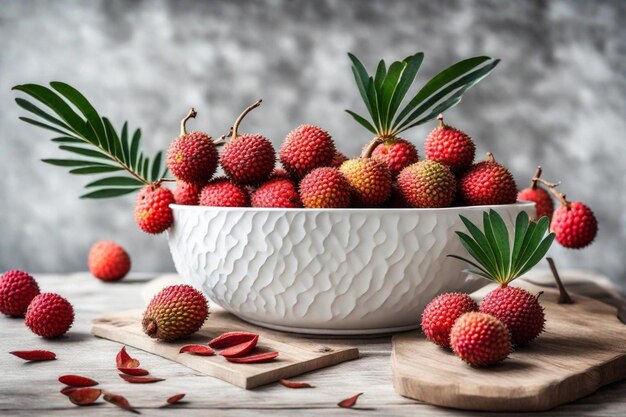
131 363
68 390
349 402
175 398
229 339
85 396
34 355
77 381
241 349
254 358
119 401
295 384
134 371
124 360
199 350
139 379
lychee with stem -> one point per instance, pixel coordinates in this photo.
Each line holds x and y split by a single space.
427 184
450 146
487 183
277 193
247 159
49 315
397 153
370 179
574 224
17 290
152 208
325 187
305 148
480 339
108 261
441 313
222 192
544 206
193 156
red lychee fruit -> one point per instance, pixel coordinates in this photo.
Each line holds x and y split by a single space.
574 225
152 209
427 184
193 156
49 315
544 206
187 193
177 311
480 339
370 181
487 183
280 173
325 187
338 159
305 148
108 261
450 146
17 290
397 153
518 309
248 159
221 192
278 192
441 313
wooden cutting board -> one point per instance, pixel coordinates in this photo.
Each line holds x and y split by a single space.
582 349
297 355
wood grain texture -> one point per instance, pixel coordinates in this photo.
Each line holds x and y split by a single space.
582 349
296 355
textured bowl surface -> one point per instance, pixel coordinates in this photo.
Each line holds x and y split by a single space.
333 271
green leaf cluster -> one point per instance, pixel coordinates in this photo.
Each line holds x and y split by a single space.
96 146
384 91
495 258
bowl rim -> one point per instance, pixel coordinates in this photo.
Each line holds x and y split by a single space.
521 204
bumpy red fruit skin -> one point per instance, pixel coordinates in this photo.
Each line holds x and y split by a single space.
49 315
575 225
192 157
222 192
306 148
338 159
480 339
325 187
248 159
277 193
397 153
487 183
108 261
370 181
280 173
152 209
441 313
518 309
177 311
427 184
17 290
187 193
543 202
450 147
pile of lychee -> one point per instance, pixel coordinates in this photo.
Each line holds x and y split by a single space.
46 314
484 334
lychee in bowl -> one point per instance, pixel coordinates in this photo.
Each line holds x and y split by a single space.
326 271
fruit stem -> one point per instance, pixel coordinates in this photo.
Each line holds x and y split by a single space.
220 141
549 184
369 149
560 196
191 115
441 123
490 157
533 182
151 328
241 116
564 297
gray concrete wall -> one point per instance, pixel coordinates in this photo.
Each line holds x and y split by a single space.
558 98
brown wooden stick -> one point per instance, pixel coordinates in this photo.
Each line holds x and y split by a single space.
564 297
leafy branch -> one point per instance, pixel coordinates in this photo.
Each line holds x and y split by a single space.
100 149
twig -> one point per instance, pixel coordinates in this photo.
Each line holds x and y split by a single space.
564 297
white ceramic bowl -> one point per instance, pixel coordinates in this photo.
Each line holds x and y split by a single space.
328 271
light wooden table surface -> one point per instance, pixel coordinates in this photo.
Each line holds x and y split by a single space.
32 389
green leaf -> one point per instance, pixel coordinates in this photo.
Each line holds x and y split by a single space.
521 226
361 78
67 139
374 103
534 235
83 151
501 234
413 64
381 71
71 162
134 148
145 167
475 272
156 167
28 106
54 102
474 249
362 121
114 140
493 243
538 254
95 170
483 273
43 125
486 255
85 107
116 181
125 143
387 91
109 192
